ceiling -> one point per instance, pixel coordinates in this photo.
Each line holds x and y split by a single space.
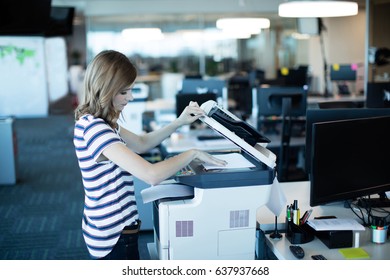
168 14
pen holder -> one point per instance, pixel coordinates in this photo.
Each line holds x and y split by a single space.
298 234
378 236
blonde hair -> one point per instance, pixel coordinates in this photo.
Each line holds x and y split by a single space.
109 73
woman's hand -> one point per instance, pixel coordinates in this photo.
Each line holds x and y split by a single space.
190 114
207 158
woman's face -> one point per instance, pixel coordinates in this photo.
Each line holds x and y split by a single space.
122 98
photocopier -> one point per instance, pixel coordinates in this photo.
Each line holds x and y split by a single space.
216 216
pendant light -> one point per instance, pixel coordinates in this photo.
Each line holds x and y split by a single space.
318 9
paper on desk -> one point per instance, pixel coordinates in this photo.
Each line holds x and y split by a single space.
169 190
234 160
335 224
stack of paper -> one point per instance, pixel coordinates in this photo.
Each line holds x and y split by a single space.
234 160
335 224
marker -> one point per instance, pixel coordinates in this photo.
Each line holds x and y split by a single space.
298 217
288 213
295 216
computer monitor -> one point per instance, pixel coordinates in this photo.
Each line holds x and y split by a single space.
293 77
202 86
326 115
24 17
183 99
378 95
350 160
343 72
270 100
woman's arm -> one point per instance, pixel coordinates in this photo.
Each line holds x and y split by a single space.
143 143
157 172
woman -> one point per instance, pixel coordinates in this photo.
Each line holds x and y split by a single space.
108 157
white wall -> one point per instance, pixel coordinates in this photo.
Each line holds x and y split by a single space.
344 42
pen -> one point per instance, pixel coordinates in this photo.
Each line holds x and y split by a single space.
288 213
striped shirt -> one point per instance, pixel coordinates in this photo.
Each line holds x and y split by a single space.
109 203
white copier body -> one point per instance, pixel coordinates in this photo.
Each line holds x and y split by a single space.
219 220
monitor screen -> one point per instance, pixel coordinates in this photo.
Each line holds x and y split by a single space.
24 17
350 159
270 100
325 115
294 77
343 72
203 86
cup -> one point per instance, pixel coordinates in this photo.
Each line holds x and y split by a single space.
378 235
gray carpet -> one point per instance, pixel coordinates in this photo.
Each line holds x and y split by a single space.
40 216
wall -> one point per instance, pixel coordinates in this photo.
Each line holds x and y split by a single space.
344 42
380 32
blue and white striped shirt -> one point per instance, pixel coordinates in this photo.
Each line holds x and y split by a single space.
109 203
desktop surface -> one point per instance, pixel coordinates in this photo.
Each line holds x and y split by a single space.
316 247
301 192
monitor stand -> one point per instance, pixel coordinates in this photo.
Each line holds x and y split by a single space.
343 89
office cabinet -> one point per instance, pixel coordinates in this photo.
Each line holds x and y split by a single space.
8 152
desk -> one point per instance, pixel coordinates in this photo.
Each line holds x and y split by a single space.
300 191
282 251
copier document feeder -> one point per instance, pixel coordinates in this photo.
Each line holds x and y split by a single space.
218 219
